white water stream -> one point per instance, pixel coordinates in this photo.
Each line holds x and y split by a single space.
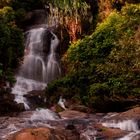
129 125
38 67
44 114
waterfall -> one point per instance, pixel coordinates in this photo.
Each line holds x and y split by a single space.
53 68
39 67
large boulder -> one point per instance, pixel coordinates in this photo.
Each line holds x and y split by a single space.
81 108
132 113
109 133
37 99
45 134
32 134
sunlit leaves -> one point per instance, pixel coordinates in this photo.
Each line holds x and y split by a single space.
4 3
113 50
69 14
7 14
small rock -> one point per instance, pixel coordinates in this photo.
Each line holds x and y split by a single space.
36 99
72 114
70 127
57 108
80 108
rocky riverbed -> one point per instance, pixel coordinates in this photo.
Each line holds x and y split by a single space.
45 124
73 122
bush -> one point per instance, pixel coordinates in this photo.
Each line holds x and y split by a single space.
11 43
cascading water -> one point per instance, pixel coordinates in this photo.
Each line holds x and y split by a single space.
128 125
38 67
53 68
44 114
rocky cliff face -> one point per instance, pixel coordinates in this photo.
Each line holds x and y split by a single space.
35 18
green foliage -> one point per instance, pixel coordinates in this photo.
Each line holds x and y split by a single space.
7 14
99 89
11 43
131 11
105 65
95 48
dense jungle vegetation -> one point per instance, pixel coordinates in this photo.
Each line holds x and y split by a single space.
101 62
103 68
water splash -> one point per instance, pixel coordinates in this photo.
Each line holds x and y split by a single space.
44 114
89 134
61 102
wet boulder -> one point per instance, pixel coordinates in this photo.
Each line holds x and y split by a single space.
37 99
109 133
7 103
132 113
81 108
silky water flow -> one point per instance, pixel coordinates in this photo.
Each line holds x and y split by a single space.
38 67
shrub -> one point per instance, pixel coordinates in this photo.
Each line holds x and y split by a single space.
11 43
